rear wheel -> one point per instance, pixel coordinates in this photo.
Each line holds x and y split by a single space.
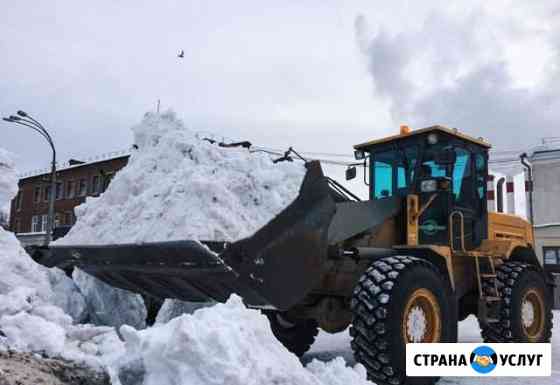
399 300
296 335
525 314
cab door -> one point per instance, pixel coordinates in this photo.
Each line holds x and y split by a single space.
434 194
468 198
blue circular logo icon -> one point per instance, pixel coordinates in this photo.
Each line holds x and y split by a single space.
483 359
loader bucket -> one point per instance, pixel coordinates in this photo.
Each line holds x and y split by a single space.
277 266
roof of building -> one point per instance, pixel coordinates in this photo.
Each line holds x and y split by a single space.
447 130
68 166
545 151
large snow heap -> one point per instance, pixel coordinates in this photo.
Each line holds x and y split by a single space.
177 186
18 269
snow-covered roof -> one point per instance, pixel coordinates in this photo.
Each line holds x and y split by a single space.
67 166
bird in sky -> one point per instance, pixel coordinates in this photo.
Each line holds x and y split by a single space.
181 54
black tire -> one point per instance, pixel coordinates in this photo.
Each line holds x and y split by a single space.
297 336
516 282
378 304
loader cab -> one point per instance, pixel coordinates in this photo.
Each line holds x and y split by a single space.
444 171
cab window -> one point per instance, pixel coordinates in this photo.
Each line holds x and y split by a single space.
462 176
383 179
393 171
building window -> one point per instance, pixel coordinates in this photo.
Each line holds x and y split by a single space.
47 193
59 190
57 219
19 200
82 188
36 224
551 255
95 185
44 223
37 194
70 189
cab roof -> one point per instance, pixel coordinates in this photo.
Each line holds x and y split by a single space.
437 128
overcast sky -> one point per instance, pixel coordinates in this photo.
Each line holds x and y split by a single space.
318 75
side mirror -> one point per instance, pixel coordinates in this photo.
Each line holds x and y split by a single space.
350 173
445 157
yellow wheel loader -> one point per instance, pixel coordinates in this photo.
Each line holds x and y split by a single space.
402 267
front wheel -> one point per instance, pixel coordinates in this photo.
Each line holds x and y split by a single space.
399 300
525 314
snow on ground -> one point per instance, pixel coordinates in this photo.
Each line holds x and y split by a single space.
30 324
328 346
224 344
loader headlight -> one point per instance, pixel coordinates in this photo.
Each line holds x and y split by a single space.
428 185
432 138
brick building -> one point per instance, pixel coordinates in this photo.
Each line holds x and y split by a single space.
75 181
510 192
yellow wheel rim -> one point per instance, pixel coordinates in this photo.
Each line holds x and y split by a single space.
532 314
421 320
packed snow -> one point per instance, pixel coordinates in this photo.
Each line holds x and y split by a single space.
223 344
110 306
28 323
173 308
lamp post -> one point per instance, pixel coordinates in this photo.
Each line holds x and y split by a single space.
25 119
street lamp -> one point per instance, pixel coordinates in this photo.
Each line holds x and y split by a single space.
25 119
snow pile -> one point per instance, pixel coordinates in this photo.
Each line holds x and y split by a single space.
223 344
19 270
177 186
28 319
28 323
17 267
